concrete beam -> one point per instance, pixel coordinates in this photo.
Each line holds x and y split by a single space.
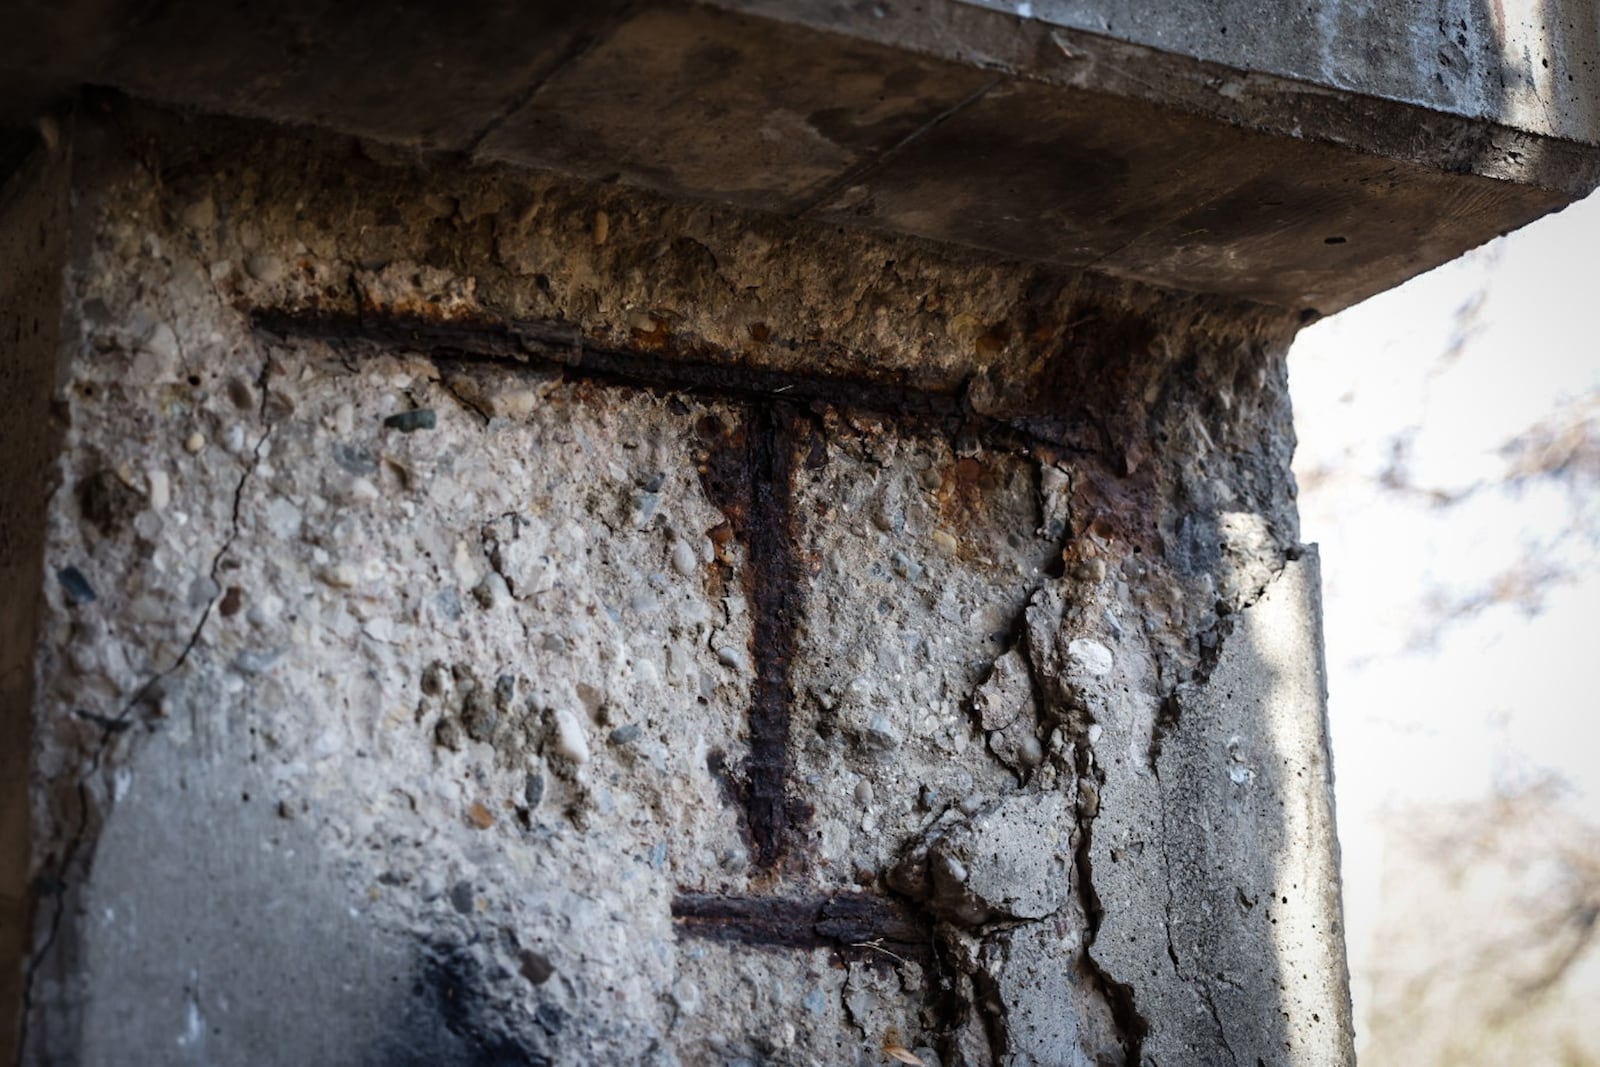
1303 162
492 617
33 225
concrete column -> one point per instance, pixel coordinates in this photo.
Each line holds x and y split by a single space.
728 532
494 618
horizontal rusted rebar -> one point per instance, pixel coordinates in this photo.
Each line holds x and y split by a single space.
859 925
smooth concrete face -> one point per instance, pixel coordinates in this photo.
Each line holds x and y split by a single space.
471 679
1179 73
1144 193
736 109
352 68
215 932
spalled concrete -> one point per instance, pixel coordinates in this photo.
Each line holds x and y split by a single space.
734 532
1304 160
540 621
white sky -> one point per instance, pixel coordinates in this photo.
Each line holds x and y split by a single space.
1423 712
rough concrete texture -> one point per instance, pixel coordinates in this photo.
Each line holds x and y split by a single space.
535 622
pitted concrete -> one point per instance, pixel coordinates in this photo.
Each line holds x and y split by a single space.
500 646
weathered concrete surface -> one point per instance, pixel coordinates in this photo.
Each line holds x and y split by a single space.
502 263
1304 161
542 622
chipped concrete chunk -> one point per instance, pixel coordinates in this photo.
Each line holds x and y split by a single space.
1010 860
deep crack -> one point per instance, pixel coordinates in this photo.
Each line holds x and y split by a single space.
992 1013
1222 1033
1196 982
1132 1027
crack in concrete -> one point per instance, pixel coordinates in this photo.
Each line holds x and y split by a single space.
992 1013
1132 1026
1222 1031
1195 981
114 726
1167 722
573 51
861 170
949 1003
1211 642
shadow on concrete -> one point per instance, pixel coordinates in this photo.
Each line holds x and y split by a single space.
194 946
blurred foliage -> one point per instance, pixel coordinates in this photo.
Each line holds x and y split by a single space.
1488 935
1450 467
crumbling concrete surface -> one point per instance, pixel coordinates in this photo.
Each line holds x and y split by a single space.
494 619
